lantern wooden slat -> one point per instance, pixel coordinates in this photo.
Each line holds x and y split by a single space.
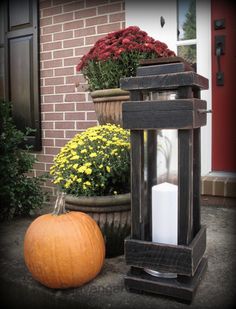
179 259
185 223
151 177
180 113
154 69
137 184
167 61
196 172
137 181
187 113
196 180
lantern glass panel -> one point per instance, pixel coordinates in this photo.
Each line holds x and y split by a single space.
167 143
167 156
165 191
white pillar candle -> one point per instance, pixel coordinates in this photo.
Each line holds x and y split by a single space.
164 219
165 213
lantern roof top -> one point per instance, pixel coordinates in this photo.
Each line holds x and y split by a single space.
167 81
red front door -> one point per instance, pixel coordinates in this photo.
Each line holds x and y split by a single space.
224 96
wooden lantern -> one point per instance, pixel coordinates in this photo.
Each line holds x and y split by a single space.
187 114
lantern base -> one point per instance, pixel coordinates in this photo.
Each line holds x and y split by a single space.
182 287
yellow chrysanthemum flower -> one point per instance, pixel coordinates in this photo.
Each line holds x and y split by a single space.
82 169
88 171
84 164
75 157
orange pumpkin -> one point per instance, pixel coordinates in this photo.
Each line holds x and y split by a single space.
63 250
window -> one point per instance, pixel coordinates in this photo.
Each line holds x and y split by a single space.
186 30
19 76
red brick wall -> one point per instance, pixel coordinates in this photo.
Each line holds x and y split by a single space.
68 29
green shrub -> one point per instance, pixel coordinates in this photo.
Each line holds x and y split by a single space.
19 193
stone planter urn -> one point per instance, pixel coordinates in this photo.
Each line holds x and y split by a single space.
108 105
112 214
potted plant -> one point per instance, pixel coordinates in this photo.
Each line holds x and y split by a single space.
114 56
93 169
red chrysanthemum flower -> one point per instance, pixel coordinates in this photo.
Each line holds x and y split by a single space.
123 49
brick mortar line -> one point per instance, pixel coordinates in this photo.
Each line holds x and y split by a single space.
68 3
80 19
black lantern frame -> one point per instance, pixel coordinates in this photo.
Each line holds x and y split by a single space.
187 114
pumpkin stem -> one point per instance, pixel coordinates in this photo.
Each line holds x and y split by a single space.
59 208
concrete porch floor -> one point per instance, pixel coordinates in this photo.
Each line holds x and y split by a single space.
216 290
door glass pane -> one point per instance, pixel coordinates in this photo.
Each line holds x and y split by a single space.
186 19
188 52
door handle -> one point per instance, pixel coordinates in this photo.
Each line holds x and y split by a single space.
219 51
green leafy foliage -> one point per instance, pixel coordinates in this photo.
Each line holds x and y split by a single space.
19 193
107 74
